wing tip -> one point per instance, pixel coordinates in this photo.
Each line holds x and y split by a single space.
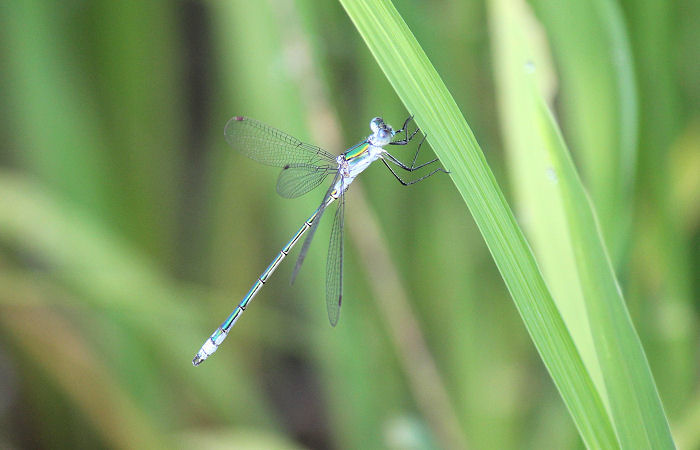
334 316
229 123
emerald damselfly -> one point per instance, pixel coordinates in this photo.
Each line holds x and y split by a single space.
304 167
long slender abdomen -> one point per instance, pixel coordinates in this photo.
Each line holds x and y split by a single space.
213 342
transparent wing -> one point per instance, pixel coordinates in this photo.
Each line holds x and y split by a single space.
273 147
295 181
334 265
314 226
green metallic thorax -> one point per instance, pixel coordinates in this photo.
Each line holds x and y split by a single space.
356 151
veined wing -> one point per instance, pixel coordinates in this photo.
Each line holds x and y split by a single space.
273 147
334 264
297 180
312 231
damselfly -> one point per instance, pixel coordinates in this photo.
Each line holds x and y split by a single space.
304 167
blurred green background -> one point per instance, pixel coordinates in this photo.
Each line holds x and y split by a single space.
129 229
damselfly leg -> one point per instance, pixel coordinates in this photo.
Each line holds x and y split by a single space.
404 129
412 167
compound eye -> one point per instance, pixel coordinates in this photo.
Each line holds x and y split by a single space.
375 124
384 134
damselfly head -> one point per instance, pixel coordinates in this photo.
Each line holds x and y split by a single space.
381 132
375 124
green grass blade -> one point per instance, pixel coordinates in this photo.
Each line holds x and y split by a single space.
517 41
599 106
567 239
636 408
420 88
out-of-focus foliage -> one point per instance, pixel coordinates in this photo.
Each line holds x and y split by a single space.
129 229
